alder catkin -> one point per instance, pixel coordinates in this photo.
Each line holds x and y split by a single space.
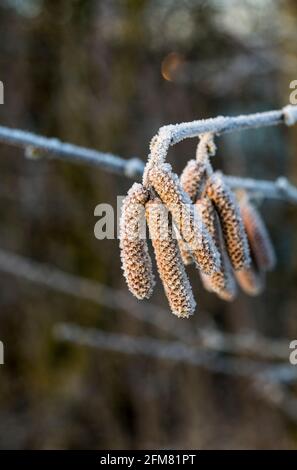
258 236
185 218
136 261
185 252
192 179
221 282
170 266
251 280
232 226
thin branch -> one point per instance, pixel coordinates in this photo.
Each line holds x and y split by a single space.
267 381
37 146
173 350
222 124
172 134
93 291
205 338
265 376
279 189
278 395
244 343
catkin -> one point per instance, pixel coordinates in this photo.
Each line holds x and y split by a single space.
185 252
193 232
251 280
170 266
136 261
229 213
221 282
259 239
192 179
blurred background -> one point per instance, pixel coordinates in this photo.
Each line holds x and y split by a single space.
107 75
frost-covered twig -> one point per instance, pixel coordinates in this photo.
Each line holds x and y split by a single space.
279 396
172 134
93 291
268 381
224 124
37 146
174 350
279 189
245 343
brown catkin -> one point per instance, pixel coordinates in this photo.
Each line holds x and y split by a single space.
258 236
192 179
221 282
232 226
185 253
251 281
136 261
193 232
170 266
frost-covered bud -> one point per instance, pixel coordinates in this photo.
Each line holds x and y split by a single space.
258 236
185 218
136 261
221 282
231 222
251 281
192 179
170 266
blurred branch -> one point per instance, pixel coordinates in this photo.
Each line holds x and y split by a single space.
248 343
267 380
245 343
279 396
279 189
92 291
173 350
37 146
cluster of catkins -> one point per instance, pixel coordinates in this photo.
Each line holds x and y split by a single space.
193 219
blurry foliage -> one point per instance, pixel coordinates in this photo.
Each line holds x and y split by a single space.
91 72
